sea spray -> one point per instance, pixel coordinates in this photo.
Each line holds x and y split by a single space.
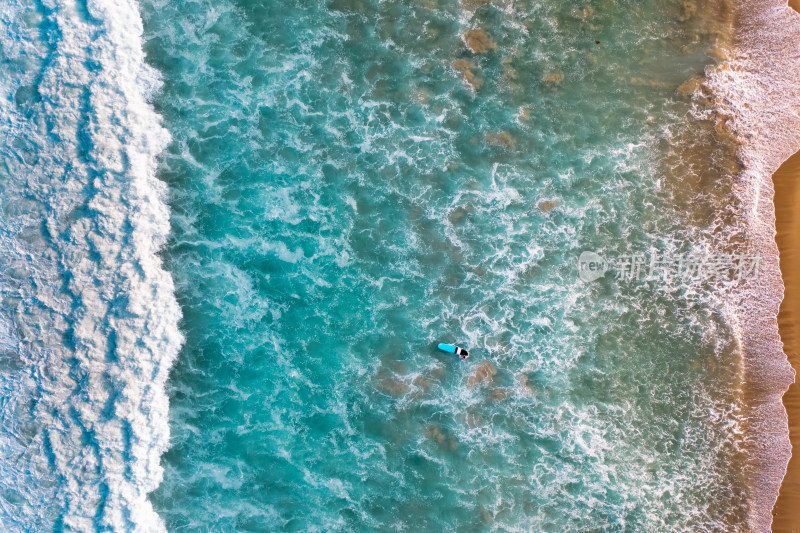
91 316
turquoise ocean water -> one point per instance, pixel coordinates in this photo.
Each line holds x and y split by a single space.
349 184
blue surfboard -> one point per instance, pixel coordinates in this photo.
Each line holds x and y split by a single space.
451 348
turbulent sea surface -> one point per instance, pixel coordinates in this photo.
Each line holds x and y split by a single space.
284 205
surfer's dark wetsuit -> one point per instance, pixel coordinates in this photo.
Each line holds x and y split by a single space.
462 353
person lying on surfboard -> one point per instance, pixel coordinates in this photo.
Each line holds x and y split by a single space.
452 348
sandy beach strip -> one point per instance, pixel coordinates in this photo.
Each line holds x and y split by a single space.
786 513
787 221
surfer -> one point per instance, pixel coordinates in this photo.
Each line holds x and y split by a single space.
452 348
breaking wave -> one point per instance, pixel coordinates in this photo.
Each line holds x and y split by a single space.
90 324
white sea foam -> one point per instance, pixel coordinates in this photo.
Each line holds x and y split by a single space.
757 96
92 315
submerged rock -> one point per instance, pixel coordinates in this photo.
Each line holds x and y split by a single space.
690 86
496 395
464 67
472 5
500 138
435 433
392 385
479 42
524 383
554 78
483 374
547 205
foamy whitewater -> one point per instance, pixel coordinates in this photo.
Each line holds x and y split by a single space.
90 320
335 187
757 97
